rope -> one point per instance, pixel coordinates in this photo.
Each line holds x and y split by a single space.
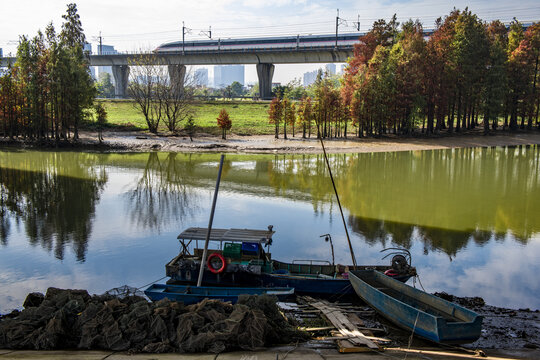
412 334
337 297
419 282
288 352
153 282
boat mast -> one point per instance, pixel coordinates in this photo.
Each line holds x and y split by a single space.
337 197
203 259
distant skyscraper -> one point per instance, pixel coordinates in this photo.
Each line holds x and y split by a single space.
88 47
225 75
331 68
201 77
310 77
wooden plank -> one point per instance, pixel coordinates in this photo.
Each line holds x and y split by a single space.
338 336
344 325
322 328
345 346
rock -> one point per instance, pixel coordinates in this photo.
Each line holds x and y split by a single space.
33 300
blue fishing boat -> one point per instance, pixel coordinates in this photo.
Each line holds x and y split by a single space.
242 258
193 294
429 316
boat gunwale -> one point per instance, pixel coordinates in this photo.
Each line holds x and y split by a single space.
274 290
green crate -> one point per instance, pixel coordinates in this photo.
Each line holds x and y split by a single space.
232 250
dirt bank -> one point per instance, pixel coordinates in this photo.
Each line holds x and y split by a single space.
139 141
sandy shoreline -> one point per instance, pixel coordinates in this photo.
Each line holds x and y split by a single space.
139 141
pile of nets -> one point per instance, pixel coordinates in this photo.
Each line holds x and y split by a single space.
67 319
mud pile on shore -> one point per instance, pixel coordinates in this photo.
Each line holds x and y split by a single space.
67 319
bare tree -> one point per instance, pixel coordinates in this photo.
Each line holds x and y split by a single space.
177 97
162 92
145 87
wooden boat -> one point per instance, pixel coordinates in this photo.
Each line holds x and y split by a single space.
249 265
429 316
193 294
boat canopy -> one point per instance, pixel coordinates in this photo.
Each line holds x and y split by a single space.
231 235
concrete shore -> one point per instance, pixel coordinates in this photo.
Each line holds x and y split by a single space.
275 353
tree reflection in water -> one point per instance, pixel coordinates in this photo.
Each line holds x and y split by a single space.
161 195
444 198
55 209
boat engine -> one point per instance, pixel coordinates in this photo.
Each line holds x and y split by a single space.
400 264
401 260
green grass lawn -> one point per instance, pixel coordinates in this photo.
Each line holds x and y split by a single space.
248 117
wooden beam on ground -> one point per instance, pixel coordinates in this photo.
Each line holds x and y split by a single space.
345 326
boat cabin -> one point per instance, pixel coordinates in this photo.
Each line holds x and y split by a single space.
231 253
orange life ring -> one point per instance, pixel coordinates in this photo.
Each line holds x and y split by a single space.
209 263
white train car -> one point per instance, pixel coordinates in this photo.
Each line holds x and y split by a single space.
246 44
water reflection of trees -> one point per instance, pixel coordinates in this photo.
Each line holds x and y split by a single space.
55 209
445 198
161 195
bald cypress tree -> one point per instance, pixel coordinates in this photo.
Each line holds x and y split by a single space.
78 86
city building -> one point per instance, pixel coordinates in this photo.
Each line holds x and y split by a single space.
201 77
331 69
88 47
225 75
310 77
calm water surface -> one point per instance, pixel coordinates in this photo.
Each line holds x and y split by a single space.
470 217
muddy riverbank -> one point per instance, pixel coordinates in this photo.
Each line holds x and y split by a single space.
139 141
69 319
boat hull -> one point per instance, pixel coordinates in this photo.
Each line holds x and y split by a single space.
427 315
192 294
309 285
306 279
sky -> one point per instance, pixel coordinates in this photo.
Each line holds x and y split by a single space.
137 24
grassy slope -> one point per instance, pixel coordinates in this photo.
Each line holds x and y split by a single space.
248 118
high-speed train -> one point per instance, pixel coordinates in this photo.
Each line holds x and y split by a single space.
282 42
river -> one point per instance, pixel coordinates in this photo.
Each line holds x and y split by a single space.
470 217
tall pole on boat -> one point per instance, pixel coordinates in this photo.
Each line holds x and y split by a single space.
205 252
337 197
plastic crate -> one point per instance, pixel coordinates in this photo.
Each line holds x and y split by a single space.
249 248
232 250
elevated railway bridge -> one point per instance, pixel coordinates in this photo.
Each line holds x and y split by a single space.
262 52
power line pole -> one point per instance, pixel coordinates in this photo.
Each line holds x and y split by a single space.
337 26
358 24
100 52
183 38
339 21
207 33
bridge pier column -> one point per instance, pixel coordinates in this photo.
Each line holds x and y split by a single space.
121 77
265 72
177 76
